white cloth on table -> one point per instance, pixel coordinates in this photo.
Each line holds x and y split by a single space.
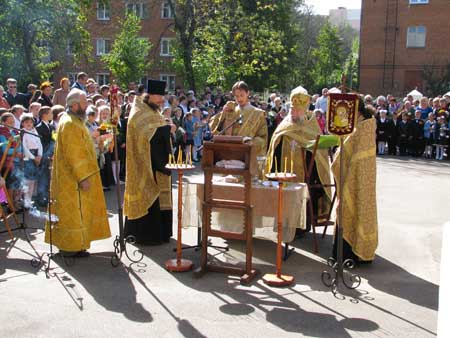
265 206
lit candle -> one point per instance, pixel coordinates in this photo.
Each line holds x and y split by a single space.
285 165
170 159
180 155
292 158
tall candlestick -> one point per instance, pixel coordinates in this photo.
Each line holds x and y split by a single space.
170 159
276 166
180 155
285 165
292 160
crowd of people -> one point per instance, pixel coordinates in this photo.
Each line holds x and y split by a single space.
408 126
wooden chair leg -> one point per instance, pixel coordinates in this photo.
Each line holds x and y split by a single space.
313 225
6 223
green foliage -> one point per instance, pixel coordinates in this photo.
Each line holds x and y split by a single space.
34 35
232 40
437 80
328 57
351 66
128 59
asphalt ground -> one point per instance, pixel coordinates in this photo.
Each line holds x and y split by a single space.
398 296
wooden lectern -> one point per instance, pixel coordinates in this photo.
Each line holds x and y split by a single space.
224 149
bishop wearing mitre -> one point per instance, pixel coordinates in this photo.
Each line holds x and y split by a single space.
293 135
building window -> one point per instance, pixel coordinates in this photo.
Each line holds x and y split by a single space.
137 8
103 10
166 11
103 46
102 79
169 80
166 47
72 77
70 48
418 2
416 37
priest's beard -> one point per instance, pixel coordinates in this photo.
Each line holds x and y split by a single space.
80 113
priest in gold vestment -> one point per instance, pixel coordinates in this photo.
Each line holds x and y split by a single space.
148 198
360 226
75 185
294 134
242 119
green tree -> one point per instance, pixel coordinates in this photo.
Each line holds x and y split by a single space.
328 57
128 59
351 66
222 41
35 34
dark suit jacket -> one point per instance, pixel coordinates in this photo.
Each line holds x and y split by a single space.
45 133
78 86
20 98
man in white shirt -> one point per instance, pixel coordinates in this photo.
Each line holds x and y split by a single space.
322 102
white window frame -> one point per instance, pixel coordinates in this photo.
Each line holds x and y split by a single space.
169 52
138 8
165 6
170 85
70 50
103 77
413 37
419 2
103 14
99 51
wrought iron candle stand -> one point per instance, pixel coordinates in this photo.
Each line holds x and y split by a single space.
338 266
179 264
120 242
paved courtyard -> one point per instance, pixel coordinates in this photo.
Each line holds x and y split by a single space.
398 296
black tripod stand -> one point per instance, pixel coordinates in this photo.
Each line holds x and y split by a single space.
20 225
51 219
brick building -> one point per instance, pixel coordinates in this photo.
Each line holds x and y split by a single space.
103 25
401 41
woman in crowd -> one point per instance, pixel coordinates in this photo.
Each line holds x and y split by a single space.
61 94
105 147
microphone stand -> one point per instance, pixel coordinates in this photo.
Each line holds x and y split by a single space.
21 226
222 132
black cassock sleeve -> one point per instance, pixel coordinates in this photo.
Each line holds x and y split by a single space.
160 149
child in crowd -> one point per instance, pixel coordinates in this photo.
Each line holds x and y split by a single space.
198 132
320 119
429 131
45 130
189 134
382 131
442 138
32 155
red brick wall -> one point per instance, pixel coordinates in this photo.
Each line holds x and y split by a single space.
153 27
409 62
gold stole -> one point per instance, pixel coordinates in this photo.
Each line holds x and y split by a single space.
141 187
360 223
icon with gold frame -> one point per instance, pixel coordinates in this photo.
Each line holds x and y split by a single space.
342 113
